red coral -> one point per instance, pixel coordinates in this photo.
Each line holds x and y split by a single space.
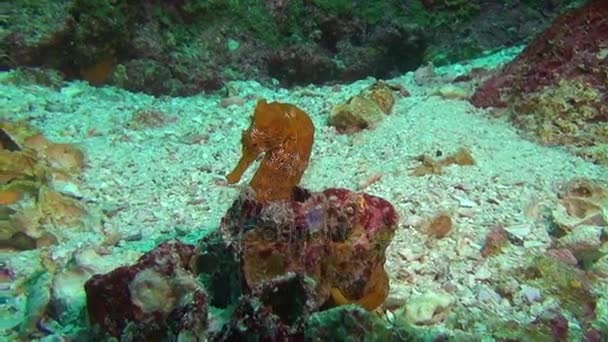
570 48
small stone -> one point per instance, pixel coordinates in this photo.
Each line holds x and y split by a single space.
439 226
232 45
466 212
413 221
464 201
483 273
487 295
67 188
452 92
519 232
530 294
428 308
564 255
232 101
496 240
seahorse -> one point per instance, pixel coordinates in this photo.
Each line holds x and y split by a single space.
285 134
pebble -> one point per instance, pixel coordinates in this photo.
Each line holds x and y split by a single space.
520 232
486 295
530 294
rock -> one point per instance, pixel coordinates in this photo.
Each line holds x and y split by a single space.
363 110
156 298
356 114
586 243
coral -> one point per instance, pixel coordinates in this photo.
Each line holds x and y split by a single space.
264 274
556 88
285 134
155 299
26 75
337 238
569 112
214 263
98 36
276 311
185 46
35 32
570 48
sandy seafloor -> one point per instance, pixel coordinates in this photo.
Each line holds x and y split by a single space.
165 182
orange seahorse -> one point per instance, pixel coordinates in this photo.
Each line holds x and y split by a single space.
285 134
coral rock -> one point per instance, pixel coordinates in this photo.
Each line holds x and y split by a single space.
557 88
158 298
337 238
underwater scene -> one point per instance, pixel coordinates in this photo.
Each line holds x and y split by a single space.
304 170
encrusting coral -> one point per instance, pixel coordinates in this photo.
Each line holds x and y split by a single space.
285 134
